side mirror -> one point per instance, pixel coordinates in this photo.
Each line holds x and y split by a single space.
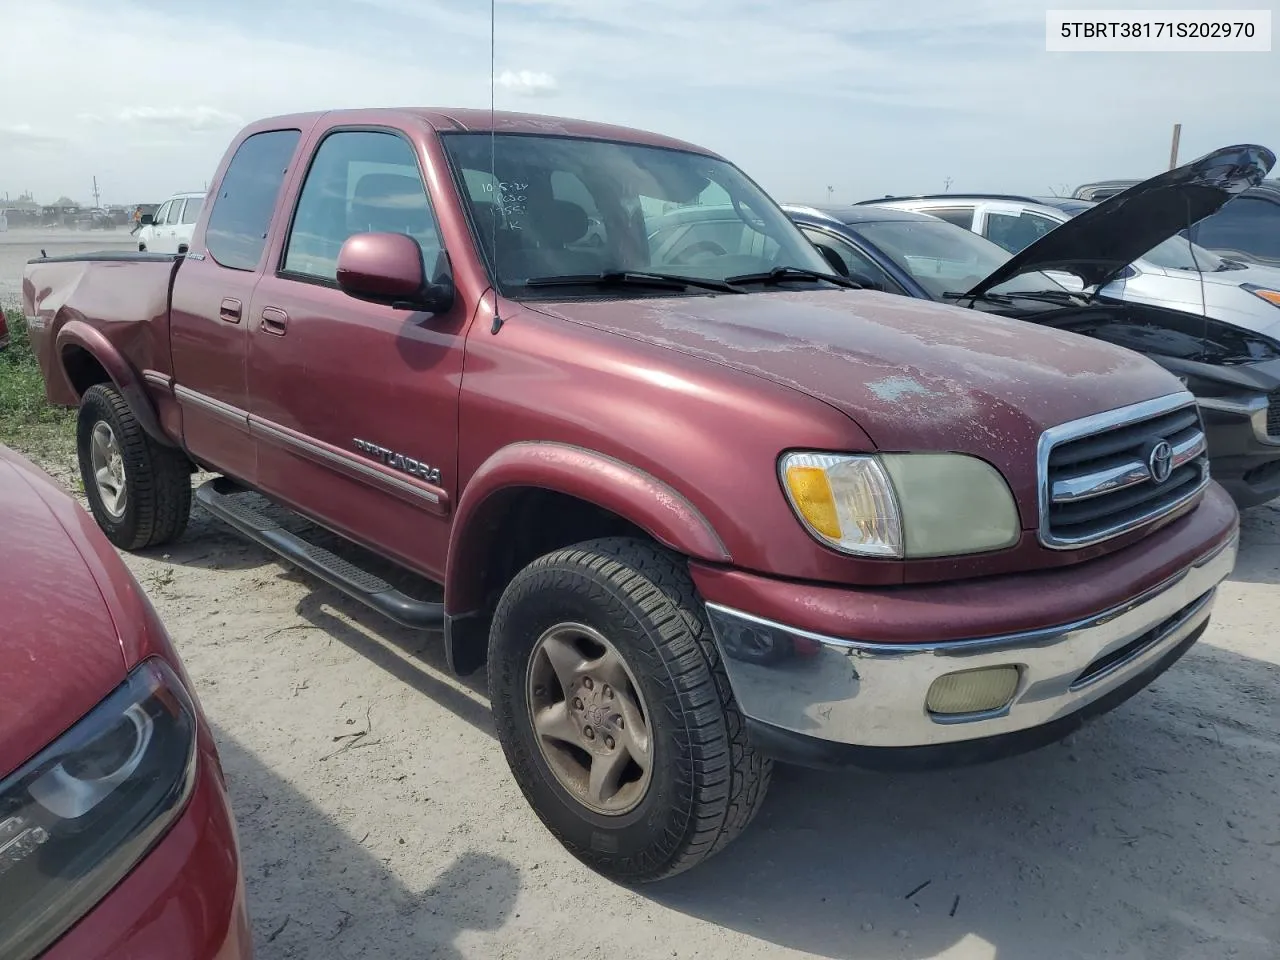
147 219
387 268
834 260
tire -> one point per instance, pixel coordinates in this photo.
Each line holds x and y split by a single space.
156 485
705 781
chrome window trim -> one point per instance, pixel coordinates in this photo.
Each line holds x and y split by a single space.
1096 424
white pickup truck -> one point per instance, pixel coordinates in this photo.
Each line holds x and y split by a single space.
172 225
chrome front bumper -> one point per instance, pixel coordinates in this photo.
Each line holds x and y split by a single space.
873 694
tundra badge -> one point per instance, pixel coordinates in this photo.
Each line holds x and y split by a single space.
398 461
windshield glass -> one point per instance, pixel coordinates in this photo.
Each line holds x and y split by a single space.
1175 254
944 258
564 206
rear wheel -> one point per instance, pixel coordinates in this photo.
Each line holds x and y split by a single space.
615 713
139 491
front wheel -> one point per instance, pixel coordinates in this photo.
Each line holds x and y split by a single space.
615 713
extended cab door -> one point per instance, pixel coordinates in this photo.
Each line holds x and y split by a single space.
209 317
355 404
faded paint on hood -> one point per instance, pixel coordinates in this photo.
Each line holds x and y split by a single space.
913 374
60 652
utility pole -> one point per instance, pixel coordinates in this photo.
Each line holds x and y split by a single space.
831 192
946 185
95 193
1173 150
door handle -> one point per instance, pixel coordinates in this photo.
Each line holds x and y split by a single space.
230 311
274 321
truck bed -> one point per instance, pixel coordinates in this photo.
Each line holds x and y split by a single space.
122 297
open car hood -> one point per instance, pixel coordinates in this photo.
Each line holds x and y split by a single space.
1100 242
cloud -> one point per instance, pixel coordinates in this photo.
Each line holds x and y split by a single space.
190 119
528 83
872 96
22 136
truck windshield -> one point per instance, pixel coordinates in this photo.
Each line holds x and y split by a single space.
566 207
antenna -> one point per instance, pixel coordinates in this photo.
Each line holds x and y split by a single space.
1191 248
493 161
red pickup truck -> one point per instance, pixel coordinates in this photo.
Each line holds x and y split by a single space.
699 505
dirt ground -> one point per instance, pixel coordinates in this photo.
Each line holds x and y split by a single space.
1153 834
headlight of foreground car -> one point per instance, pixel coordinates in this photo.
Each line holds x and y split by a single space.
901 504
1266 293
79 816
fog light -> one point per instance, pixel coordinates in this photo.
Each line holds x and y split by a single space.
972 691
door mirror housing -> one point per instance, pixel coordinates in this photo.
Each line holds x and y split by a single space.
387 268
834 260
147 219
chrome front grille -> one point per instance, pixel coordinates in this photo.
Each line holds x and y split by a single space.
1106 475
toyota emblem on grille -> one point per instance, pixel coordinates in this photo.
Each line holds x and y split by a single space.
1160 460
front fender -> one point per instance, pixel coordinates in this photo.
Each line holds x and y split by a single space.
631 493
80 334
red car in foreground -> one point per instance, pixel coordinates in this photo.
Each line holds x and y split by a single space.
116 835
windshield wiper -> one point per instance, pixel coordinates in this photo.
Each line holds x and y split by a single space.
636 278
782 274
1043 296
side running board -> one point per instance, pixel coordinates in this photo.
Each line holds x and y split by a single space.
218 496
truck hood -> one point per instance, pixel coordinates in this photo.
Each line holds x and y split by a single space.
59 647
913 374
1100 242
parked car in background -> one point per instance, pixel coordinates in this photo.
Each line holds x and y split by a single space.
1234 373
693 500
1248 228
168 230
116 835
1175 273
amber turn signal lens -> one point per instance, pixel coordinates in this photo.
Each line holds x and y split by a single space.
811 493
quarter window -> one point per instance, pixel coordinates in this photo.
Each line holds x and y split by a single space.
241 217
855 261
360 182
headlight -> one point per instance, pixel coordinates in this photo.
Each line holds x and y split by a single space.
76 818
901 504
1266 293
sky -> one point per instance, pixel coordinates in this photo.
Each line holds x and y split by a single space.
866 97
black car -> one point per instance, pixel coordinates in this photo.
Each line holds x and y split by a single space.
1234 374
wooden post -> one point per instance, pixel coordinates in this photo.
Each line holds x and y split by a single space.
1173 150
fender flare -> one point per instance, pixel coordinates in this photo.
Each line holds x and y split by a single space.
630 492
125 379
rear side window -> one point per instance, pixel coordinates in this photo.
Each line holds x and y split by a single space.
237 231
162 212
192 210
1015 233
174 209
